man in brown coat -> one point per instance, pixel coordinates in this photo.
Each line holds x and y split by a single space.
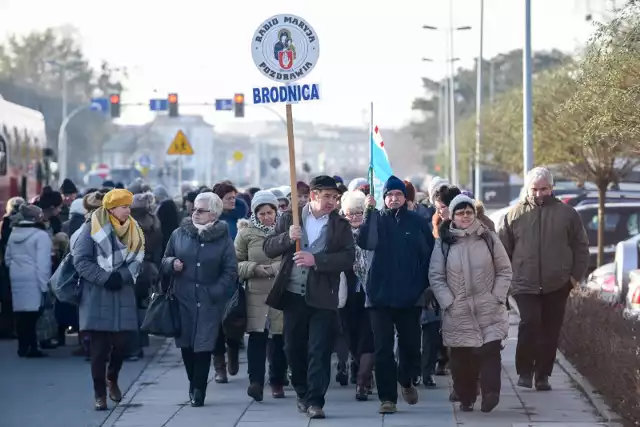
306 288
549 251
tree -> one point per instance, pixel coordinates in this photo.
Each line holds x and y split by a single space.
506 72
585 115
31 67
601 115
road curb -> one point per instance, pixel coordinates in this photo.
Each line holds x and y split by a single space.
596 400
583 384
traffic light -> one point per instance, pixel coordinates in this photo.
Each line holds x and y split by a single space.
173 104
114 101
238 104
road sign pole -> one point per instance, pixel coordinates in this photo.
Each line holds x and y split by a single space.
180 174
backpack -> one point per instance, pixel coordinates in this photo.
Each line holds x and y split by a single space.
486 236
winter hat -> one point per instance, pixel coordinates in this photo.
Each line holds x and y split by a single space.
109 184
143 201
460 200
49 198
355 183
263 197
434 185
135 187
93 201
324 182
338 179
160 193
77 207
448 194
191 196
394 183
411 191
119 185
277 192
30 213
68 187
117 197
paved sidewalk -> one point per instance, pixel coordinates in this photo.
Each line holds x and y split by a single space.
159 399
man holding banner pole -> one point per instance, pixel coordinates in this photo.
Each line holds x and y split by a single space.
306 288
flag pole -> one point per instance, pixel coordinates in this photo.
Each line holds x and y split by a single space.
371 188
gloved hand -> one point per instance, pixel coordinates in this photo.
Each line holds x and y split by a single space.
114 282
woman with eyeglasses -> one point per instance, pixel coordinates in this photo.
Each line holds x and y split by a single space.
201 259
470 274
353 315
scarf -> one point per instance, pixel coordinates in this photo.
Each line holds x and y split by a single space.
203 227
260 226
129 235
361 264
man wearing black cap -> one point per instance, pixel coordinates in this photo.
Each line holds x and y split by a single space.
69 192
306 288
401 243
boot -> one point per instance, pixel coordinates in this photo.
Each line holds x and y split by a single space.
198 398
364 377
221 369
256 391
233 362
341 375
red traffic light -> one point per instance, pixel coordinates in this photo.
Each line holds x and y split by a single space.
173 98
115 99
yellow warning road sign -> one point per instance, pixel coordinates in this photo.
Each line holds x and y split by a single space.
180 145
237 156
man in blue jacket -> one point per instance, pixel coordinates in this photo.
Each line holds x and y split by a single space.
401 243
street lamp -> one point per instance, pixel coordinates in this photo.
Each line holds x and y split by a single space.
450 59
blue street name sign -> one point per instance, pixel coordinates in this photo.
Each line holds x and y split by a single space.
224 104
290 94
100 105
158 104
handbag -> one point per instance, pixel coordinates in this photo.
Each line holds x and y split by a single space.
65 282
234 320
162 317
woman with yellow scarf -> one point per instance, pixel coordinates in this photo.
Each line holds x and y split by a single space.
108 251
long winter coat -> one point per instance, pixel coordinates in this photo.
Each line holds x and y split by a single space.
28 258
471 286
101 309
206 282
248 244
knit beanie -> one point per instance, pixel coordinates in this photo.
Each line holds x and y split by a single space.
394 183
434 185
68 187
459 200
30 213
263 197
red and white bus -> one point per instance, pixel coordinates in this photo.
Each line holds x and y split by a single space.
22 140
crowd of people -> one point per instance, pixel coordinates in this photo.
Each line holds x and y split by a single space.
401 293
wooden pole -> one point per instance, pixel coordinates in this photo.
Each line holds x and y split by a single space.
292 171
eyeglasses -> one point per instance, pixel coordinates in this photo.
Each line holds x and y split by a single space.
460 214
229 199
201 211
355 214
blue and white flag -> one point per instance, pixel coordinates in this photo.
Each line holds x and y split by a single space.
379 165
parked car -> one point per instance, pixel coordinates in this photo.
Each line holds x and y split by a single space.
622 221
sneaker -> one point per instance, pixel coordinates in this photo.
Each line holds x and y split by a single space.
388 408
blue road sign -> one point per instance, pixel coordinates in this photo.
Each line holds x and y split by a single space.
100 105
144 161
158 104
224 104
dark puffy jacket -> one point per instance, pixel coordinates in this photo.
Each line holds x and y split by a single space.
402 243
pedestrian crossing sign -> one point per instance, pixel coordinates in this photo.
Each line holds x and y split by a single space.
180 145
